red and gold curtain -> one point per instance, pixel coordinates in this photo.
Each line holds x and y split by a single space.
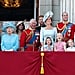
28 63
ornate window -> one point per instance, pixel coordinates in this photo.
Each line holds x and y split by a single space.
11 3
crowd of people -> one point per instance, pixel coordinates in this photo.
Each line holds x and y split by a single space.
39 36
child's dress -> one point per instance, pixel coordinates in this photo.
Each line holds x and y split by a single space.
70 49
48 48
59 46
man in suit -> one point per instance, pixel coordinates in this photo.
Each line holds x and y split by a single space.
40 23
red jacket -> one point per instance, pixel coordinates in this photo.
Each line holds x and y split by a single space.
69 33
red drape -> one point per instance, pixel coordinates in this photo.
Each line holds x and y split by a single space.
19 63
59 63
28 63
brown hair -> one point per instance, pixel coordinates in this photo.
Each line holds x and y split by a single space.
46 41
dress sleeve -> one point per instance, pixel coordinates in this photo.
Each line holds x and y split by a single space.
2 44
55 29
23 39
42 35
16 46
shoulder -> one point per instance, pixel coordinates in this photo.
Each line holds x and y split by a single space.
45 46
26 31
73 26
64 43
54 28
68 48
60 26
16 35
59 23
42 28
4 35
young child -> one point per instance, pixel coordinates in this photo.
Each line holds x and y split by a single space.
70 45
48 44
60 45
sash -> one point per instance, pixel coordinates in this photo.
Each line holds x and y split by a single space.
66 28
34 37
31 37
28 36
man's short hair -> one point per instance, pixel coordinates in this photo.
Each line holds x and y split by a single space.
64 12
40 16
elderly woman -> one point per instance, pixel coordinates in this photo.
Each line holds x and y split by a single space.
10 40
49 30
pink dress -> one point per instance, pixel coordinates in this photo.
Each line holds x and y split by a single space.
59 46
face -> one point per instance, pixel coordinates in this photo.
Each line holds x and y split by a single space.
65 16
33 24
48 21
40 20
59 36
9 30
20 27
48 41
70 43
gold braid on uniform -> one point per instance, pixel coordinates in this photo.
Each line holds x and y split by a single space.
28 35
61 28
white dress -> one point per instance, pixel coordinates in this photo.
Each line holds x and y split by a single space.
71 49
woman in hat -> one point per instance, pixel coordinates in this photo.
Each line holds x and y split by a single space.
19 28
49 30
10 40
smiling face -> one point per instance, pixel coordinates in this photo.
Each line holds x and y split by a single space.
10 30
40 21
65 16
33 23
48 21
20 27
48 41
70 43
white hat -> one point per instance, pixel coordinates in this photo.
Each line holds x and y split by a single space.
48 14
19 22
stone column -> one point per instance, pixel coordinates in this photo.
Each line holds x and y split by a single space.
44 6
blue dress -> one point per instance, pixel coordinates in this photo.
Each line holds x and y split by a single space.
9 42
44 33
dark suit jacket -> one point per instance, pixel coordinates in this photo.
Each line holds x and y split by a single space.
39 27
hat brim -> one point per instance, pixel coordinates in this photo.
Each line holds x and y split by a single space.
6 26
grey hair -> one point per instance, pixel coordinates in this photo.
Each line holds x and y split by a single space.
32 20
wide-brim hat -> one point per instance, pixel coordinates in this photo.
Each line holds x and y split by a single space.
48 14
8 24
19 22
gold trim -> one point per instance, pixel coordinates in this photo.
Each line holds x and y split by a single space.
61 28
42 67
28 35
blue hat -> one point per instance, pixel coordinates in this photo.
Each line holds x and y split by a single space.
48 14
8 24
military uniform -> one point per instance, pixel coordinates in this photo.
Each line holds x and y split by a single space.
67 29
30 40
